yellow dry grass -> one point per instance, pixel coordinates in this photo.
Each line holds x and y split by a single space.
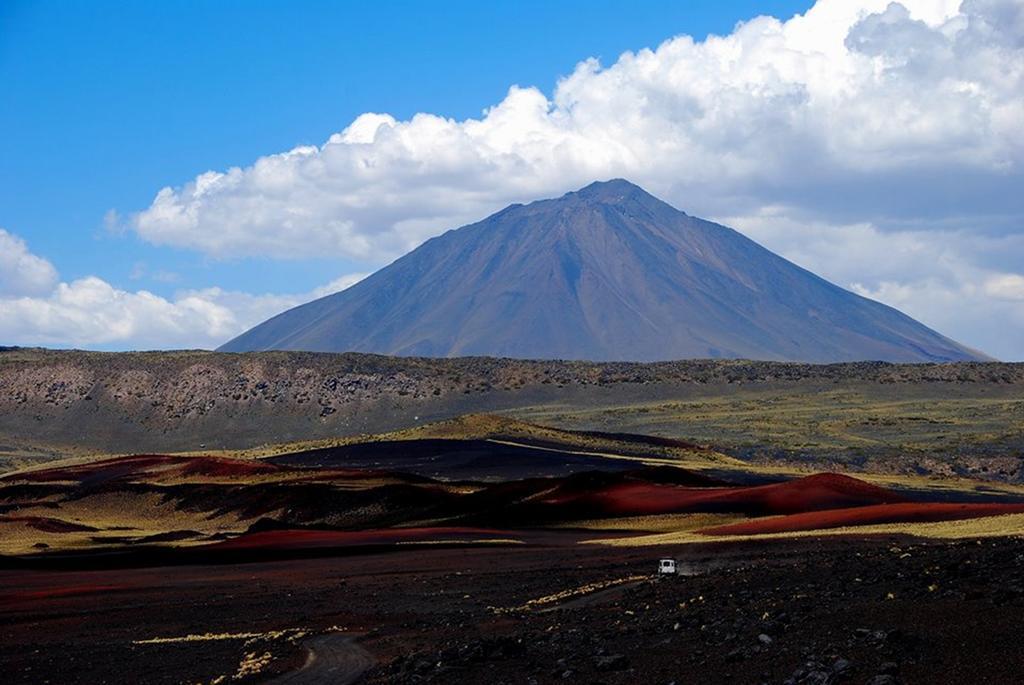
814 416
289 633
17 537
506 430
483 541
252 664
570 593
120 516
144 511
659 523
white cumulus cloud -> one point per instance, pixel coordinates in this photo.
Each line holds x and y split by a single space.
21 272
89 312
938 276
1005 287
863 108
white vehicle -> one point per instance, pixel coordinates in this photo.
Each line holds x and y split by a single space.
667 567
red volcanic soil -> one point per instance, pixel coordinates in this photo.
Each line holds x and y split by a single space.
155 468
55 592
146 467
308 539
221 467
907 512
813 493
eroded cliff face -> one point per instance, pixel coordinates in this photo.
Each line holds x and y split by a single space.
68 402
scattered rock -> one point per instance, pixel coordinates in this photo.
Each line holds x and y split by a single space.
611 662
883 679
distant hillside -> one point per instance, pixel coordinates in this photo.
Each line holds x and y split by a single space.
606 273
57 403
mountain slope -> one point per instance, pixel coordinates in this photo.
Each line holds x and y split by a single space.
606 273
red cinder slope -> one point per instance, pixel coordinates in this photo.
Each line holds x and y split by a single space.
907 512
148 468
813 493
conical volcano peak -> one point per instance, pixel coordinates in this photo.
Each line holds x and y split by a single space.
615 190
608 272
618 192
611 186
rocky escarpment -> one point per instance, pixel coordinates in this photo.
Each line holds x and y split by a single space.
55 401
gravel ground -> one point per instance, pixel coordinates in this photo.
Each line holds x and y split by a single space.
880 611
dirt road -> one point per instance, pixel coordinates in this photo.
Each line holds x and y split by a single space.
333 658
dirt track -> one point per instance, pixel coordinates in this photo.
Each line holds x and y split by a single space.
331 659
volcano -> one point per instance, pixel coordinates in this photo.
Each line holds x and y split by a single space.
606 273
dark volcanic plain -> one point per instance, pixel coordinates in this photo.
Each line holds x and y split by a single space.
303 568
287 546
840 610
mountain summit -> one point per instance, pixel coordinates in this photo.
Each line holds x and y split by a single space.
608 272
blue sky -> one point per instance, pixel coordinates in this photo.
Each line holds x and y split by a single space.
173 173
107 102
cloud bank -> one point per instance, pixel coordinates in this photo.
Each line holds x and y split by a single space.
36 309
21 272
937 276
855 100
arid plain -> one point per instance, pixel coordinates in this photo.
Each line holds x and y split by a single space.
462 540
